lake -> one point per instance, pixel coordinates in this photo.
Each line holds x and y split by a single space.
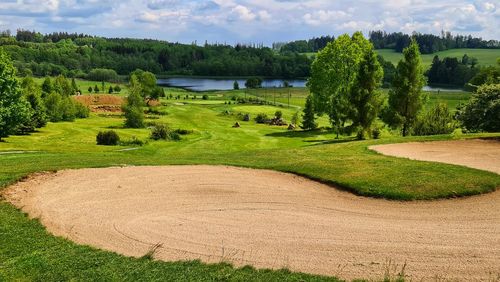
199 84
205 84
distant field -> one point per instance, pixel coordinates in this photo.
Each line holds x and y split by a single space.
485 57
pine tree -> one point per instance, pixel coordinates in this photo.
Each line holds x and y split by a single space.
74 86
406 98
308 118
364 98
47 87
90 89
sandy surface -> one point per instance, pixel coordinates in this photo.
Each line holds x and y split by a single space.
266 219
480 154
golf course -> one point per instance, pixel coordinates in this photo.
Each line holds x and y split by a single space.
364 156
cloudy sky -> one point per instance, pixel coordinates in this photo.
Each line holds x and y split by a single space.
247 21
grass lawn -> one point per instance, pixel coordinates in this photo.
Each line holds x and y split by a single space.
485 57
28 252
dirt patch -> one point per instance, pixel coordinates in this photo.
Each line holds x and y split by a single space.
480 154
102 102
265 219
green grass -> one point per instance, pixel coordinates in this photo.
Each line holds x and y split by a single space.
485 57
28 252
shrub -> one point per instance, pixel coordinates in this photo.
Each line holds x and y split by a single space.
132 141
376 133
163 132
278 114
482 112
109 138
261 118
437 121
82 111
205 97
246 117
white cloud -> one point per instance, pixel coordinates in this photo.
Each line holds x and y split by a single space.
251 20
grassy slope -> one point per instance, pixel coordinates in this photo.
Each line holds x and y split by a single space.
27 252
485 57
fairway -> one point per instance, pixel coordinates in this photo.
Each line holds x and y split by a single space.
264 219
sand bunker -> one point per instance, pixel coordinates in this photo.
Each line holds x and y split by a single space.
480 154
265 219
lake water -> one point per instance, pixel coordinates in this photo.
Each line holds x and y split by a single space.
205 84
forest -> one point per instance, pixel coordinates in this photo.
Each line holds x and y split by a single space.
75 55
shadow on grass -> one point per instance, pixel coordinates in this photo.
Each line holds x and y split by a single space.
299 134
312 133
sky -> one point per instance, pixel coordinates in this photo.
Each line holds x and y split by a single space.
250 21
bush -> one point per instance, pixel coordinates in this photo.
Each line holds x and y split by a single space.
163 132
205 97
109 138
278 114
82 111
261 118
437 121
132 141
376 133
482 112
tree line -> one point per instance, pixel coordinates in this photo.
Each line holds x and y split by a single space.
429 43
75 55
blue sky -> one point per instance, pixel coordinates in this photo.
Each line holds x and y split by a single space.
245 21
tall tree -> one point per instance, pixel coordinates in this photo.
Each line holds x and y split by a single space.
406 98
364 98
308 118
333 72
14 109
134 114
47 87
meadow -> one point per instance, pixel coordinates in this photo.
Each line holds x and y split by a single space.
485 57
28 252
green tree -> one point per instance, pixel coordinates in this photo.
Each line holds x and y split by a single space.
39 115
333 73
308 118
73 85
236 85
134 114
253 82
482 112
117 89
14 109
406 98
32 93
364 98
96 89
62 86
110 90
90 89
47 86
